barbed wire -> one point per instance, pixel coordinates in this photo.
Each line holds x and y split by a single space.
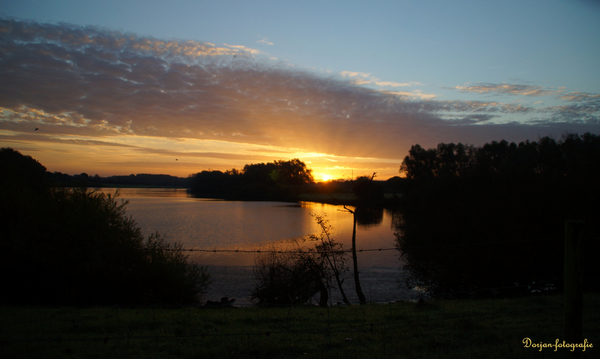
307 251
310 249
476 243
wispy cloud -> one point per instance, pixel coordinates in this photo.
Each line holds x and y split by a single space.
511 89
391 84
265 41
580 96
416 95
361 78
354 74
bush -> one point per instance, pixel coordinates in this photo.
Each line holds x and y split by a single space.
295 277
290 278
74 246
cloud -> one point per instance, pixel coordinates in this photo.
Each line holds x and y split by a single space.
361 78
411 95
582 108
472 119
354 74
243 49
511 89
580 96
219 155
265 41
84 81
75 141
391 84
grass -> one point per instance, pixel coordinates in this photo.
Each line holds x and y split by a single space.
490 328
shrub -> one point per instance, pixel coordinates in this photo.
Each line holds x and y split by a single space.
295 277
290 278
74 246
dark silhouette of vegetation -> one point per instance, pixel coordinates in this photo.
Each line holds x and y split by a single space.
74 246
329 249
367 190
279 180
138 180
144 179
296 277
290 278
493 216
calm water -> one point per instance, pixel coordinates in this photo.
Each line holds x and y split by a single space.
215 224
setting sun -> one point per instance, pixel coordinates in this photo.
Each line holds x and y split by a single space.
326 178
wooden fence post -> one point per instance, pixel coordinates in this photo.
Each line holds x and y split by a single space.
573 285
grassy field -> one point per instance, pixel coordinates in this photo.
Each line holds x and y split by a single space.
490 328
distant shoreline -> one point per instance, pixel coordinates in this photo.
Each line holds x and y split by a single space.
341 198
112 185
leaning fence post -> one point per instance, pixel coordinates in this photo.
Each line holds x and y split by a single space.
573 290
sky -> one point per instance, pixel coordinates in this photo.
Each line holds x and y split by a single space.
178 87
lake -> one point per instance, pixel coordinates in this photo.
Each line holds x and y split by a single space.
210 224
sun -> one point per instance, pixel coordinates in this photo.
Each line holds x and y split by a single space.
326 178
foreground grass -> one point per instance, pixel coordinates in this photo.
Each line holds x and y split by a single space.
439 329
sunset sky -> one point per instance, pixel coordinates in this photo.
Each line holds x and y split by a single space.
177 87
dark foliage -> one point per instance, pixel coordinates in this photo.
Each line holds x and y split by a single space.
466 203
367 190
295 278
140 179
74 246
290 278
144 179
279 180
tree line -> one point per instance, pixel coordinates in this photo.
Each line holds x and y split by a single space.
137 180
278 180
572 155
493 216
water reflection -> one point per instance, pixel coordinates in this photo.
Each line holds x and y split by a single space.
213 224
369 216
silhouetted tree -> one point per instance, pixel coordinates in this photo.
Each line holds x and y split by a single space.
211 183
420 164
462 202
279 180
367 190
293 172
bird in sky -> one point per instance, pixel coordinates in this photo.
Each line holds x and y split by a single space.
36 129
